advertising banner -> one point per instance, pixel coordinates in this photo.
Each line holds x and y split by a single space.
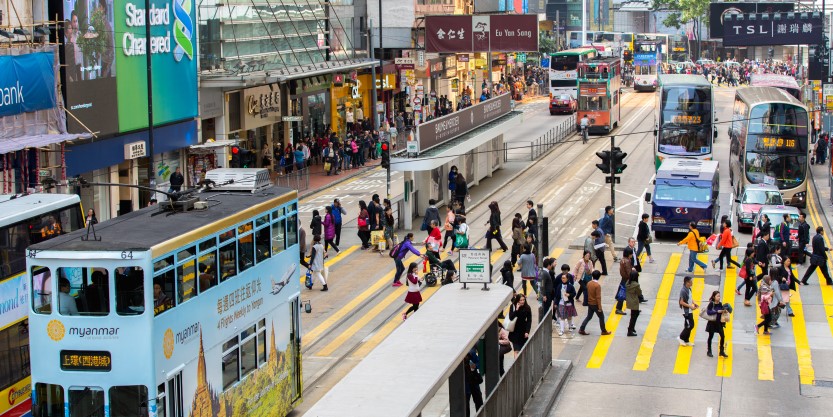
27 83
717 11
443 129
648 58
766 30
106 68
481 33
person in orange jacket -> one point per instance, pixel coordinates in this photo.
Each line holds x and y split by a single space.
725 245
692 241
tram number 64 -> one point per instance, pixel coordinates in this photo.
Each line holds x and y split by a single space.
127 254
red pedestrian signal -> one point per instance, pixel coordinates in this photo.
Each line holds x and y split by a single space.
235 150
385 155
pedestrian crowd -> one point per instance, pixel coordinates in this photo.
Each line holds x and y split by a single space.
733 73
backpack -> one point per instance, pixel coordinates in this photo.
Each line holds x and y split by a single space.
777 235
394 251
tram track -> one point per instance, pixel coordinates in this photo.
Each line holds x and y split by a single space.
545 171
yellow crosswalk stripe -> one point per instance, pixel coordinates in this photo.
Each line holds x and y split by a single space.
604 342
806 373
765 365
684 352
724 365
649 337
335 259
826 290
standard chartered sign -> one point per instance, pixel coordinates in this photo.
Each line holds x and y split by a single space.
136 44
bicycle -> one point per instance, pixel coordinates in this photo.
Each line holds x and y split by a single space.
584 134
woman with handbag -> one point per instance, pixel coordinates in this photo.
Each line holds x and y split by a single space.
726 244
520 317
643 238
363 225
714 313
765 293
529 271
633 293
461 236
494 227
414 297
582 272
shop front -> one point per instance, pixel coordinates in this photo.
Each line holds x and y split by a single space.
351 101
310 100
124 160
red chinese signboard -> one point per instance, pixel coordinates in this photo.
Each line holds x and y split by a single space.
481 33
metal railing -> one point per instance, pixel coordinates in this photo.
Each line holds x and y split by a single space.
519 382
298 179
533 149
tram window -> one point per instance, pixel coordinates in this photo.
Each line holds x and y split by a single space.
14 354
41 290
186 253
48 401
86 402
262 220
129 401
161 403
278 236
231 363
68 283
186 277
246 252
208 244
243 228
277 214
262 249
292 230
130 291
163 287
208 270
13 242
163 263
228 261
225 236
90 288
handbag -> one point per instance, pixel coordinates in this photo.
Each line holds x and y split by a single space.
783 286
308 280
509 325
704 314
649 240
724 316
735 242
461 241
362 222
424 226
327 166
621 293
742 273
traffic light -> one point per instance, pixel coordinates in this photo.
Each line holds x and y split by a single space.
627 56
235 157
605 165
618 160
241 158
385 155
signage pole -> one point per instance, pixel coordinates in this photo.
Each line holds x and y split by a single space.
583 24
612 193
151 177
373 97
381 77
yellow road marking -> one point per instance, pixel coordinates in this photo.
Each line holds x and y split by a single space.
332 261
684 352
649 338
332 319
724 365
826 290
806 374
765 365
604 342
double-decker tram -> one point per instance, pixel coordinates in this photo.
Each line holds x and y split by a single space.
685 118
182 309
599 94
647 61
24 220
563 65
770 136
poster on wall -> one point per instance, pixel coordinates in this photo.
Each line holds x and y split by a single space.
105 61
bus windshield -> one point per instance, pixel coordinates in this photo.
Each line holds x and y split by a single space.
685 121
778 119
784 171
683 191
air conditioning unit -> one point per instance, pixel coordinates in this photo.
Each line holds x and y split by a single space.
239 179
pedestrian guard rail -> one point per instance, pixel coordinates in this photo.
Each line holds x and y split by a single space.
519 381
532 150
298 179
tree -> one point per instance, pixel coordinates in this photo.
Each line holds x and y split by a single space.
546 44
682 12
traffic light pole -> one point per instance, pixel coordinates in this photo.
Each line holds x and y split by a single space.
612 190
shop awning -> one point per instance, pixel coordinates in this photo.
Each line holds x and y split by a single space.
214 144
635 6
251 79
15 144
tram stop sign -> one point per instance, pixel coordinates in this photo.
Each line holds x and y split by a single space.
475 266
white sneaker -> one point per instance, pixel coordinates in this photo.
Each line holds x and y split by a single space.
682 342
560 333
690 344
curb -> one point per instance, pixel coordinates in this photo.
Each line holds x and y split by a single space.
818 196
543 397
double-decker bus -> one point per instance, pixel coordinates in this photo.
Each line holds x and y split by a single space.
770 136
622 39
647 61
183 309
663 40
574 38
24 220
563 66
784 82
599 94
685 118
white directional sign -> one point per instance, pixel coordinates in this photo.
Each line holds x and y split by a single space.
475 266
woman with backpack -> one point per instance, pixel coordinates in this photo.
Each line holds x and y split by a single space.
715 309
315 224
414 297
692 242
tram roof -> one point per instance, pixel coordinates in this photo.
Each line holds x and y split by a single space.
15 208
151 226
684 79
757 95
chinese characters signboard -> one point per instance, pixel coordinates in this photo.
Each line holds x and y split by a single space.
482 33
592 90
78 360
775 29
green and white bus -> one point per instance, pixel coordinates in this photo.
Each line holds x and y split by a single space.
563 65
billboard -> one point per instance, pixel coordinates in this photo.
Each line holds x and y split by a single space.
27 83
438 131
718 10
106 68
768 30
481 33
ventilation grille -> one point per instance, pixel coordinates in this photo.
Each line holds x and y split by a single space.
240 179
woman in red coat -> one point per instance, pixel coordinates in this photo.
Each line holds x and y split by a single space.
413 297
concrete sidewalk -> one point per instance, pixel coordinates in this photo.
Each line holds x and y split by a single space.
821 187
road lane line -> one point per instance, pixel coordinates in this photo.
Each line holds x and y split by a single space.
724 365
826 290
332 319
649 338
806 373
604 342
684 352
765 365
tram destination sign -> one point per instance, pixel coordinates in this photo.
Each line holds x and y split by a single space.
84 360
755 29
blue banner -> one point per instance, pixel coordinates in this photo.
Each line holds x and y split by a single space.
27 83
645 58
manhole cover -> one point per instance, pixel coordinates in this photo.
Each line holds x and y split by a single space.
823 383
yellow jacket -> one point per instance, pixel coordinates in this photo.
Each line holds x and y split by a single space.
692 240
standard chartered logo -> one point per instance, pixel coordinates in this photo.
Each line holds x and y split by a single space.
183 29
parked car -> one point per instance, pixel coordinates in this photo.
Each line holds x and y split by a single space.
750 201
776 216
563 103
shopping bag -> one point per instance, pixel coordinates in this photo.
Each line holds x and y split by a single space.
621 294
376 236
327 167
461 241
308 280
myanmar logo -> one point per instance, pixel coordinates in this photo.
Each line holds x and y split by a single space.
55 329
183 30
168 343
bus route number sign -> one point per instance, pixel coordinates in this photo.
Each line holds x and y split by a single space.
84 360
687 120
776 143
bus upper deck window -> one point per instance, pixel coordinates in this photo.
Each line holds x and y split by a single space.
41 290
84 291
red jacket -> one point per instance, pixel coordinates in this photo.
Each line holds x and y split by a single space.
726 238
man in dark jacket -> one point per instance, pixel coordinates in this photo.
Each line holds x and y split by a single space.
803 236
606 223
177 179
625 268
819 258
546 284
783 234
762 255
